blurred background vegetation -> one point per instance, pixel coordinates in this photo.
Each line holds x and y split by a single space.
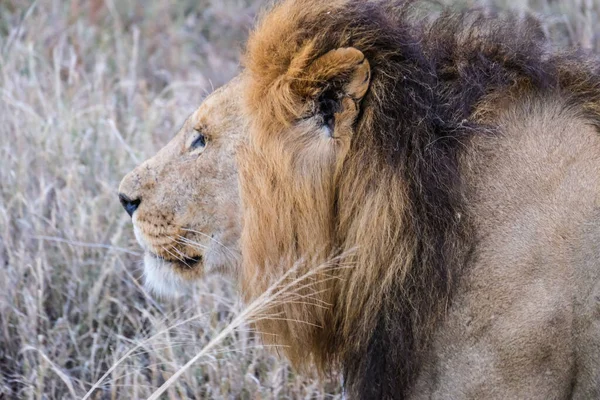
88 89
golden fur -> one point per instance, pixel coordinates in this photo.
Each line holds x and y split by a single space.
448 172
187 220
372 141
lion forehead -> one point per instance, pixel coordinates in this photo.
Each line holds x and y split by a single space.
220 112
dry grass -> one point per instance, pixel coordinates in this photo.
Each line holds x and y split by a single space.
87 90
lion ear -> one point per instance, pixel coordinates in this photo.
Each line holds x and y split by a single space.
347 68
336 82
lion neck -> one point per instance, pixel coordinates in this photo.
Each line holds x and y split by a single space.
392 224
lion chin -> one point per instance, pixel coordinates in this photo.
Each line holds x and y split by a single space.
161 279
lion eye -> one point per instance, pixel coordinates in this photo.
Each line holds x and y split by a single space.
199 142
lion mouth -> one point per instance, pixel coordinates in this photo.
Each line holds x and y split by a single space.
183 262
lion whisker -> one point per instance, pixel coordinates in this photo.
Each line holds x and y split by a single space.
188 242
183 256
211 238
175 256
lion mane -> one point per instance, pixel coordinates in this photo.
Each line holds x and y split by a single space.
393 209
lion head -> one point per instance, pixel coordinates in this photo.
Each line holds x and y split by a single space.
184 200
356 124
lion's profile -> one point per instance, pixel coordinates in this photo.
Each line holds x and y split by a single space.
451 169
456 166
184 201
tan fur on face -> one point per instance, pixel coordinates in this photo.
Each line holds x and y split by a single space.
189 198
455 194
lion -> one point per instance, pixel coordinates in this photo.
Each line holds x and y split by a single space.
448 170
452 170
184 201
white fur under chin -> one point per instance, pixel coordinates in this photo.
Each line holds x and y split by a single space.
161 280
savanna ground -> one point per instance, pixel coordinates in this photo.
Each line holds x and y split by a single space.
87 90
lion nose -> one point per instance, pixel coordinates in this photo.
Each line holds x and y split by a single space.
130 205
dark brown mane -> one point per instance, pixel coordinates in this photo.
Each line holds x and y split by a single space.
432 86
